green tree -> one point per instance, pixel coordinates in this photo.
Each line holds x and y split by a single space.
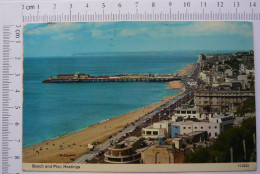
248 106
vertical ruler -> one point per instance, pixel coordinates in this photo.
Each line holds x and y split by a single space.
11 88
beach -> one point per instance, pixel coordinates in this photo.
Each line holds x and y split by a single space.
64 148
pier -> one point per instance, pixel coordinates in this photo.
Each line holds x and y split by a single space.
85 78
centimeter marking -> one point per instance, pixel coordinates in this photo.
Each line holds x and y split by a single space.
145 10
5 99
11 96
178 16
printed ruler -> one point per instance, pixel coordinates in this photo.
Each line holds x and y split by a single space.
13 15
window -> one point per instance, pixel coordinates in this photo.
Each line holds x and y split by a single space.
209 134
189 127
209 127
216 127
183 112
178 112
188 112
193 112
195 127
155 132
184 127
201 127
148 132
216 134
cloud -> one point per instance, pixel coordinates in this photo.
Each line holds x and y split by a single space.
217 28
63 36
51 28
102 34
133 32
162 30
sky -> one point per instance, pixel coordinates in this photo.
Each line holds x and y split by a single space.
66 39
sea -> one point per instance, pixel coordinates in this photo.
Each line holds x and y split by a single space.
53 110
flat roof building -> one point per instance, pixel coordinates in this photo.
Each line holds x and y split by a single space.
214 126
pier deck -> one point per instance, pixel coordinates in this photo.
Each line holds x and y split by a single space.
91 80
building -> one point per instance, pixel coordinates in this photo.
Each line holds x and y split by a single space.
192 83
213 101
177 142
161 155
125 152
214 126
228 72
122 154
201 57
185 112
194 137
159 131
132 76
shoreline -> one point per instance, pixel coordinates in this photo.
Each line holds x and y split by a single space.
76 143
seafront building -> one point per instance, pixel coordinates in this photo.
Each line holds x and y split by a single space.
158 131
161 155
213 101
214 126
185 112
124 152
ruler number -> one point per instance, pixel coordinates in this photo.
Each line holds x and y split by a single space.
70 6
119 5
170 4
103 5
17 91
153 4
186 4
17 33
16 157
16 124
203 4
54 6
136 4
87 5
252 4
220 4
236 4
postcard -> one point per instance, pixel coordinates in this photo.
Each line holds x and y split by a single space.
139 97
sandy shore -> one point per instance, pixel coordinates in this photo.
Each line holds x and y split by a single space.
76 143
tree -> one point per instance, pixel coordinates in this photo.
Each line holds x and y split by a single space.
248 106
